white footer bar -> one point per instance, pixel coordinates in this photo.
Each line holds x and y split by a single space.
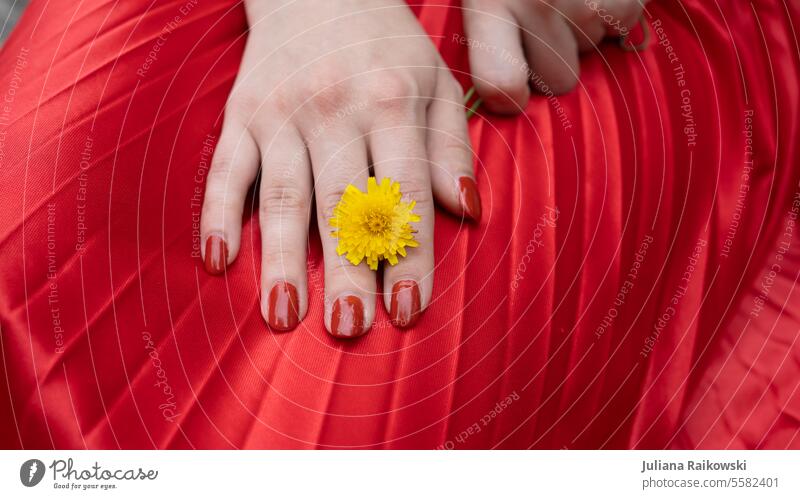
401 474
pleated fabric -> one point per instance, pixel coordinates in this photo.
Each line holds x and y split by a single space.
631 284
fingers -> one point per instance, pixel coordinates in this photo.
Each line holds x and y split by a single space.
620 16
551 39
340 158
233 170
497 61
398 152
450 154
586 25
551 49
284 208
590 21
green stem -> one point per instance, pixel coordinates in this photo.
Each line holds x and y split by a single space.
474 108
469 94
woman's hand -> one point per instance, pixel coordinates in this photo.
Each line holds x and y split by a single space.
516 42
325 90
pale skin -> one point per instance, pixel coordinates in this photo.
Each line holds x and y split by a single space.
328 89
547 35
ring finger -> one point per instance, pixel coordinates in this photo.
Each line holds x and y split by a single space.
399 152
339 159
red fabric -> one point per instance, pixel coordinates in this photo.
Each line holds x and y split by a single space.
113 336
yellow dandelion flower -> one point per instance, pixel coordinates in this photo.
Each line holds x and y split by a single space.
374 225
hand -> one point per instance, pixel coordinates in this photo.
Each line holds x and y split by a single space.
516 42
327 89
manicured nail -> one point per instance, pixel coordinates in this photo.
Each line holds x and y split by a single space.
347 320
283 307
216 255
470 199
404 308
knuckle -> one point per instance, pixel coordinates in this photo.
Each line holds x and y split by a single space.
325 92
456 147
455 89
221 165
328 200
394 91
280 250
322 91
243 104
417 190
217 209
326 101
276 199
220 174
283 101
337 266
324 76
342 274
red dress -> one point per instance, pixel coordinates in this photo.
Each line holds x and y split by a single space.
631 284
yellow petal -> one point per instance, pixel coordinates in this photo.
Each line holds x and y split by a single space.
374 225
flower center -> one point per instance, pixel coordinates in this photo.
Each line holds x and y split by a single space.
377 222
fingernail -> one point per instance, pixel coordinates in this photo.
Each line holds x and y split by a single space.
404 308
347 320
216 255
470 199
283 307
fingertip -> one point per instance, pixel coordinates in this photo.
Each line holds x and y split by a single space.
215 255
503 94
563 84
496 58
405 304
281 307
348 318
457 192
459 195
470 199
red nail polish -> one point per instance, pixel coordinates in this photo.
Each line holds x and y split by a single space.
347 319
470 199
405 305
284 307
216 255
